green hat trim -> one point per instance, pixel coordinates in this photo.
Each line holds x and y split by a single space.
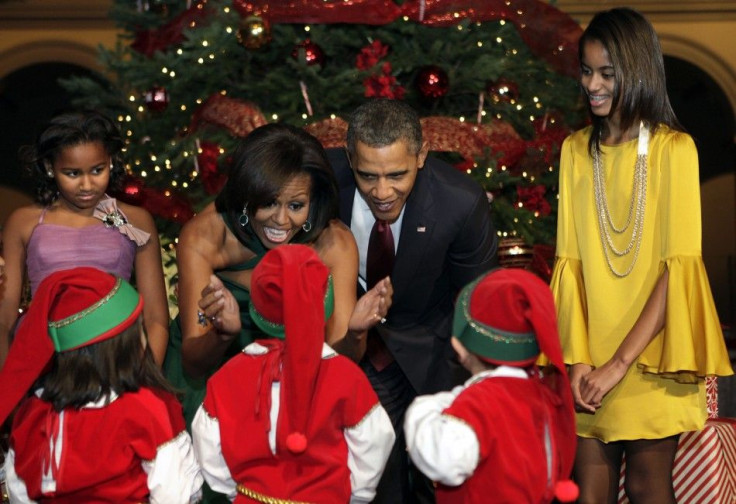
277 330
102 317
488 342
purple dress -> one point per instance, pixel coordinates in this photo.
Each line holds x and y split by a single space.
54 247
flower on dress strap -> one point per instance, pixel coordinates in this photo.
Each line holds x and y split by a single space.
107 211
114 219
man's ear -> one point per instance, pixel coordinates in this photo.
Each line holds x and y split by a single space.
422 155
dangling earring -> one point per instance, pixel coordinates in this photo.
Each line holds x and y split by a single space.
243 219
307 226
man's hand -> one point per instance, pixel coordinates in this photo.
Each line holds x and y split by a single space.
372 307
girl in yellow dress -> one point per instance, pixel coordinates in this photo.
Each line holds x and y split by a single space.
637 320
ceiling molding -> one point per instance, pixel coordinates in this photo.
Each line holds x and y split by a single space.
655 10
72 13
55 14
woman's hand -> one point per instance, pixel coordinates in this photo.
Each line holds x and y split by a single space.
596 384
576 373
372 307
219 307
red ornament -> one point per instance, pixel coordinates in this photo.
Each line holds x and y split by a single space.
432 82
132 190
502 90
309 52
156 99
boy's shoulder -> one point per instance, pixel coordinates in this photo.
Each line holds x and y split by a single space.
486 390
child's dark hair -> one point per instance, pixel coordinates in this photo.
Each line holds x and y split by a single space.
70 129
92 372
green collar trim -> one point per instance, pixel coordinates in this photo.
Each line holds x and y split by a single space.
277 330
91 323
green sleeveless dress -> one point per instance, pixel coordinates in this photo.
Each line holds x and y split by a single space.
193 389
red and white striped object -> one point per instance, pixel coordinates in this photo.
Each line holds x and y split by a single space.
711 396
705 465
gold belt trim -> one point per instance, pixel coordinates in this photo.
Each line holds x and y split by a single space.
265 498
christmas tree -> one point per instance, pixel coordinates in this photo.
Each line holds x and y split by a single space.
494 81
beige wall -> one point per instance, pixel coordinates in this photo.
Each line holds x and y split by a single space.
701 32
69 31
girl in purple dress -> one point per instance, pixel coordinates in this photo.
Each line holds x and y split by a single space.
75 159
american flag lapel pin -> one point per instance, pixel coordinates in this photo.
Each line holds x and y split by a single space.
421 229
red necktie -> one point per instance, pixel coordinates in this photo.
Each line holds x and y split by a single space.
380 260
379 263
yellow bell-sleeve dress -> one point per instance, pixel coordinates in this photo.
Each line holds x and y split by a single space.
663 393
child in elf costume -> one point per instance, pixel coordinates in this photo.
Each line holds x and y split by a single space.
288 420
508 434
101 423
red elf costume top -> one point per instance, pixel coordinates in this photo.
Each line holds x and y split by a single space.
508 434
122 439
288 420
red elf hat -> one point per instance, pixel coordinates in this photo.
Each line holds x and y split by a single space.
70 309
289 293
507 317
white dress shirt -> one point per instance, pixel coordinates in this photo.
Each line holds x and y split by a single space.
361 224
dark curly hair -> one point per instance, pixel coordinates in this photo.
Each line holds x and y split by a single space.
70 129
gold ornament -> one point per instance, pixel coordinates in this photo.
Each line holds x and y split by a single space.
254 32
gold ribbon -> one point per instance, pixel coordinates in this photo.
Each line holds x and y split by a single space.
258 497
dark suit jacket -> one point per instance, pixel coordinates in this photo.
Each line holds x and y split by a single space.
447 240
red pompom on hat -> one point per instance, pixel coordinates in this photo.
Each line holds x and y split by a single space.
70 309
507 317
288 291
566 491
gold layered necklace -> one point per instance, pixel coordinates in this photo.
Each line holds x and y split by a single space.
635 218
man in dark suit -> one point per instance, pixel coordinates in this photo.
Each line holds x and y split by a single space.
443 238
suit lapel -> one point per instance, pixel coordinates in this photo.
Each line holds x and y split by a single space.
347 195
416 232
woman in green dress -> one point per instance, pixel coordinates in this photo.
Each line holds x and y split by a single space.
280 190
